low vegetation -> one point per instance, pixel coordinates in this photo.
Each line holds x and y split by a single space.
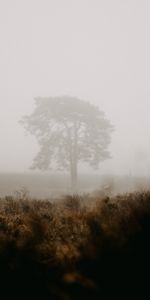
79 247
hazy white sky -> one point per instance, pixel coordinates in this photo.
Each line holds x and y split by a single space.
98 50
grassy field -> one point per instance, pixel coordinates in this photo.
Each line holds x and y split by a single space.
81 247
48 185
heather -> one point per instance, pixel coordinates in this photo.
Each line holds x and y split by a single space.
76 247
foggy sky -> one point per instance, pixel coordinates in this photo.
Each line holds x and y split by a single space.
97 50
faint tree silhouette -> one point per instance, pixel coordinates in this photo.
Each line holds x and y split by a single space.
68 130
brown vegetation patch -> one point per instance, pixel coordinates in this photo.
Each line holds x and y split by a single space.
73 250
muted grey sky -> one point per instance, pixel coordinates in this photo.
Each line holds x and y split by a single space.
97 50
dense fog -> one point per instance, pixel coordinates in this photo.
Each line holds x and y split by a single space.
75 149
96 50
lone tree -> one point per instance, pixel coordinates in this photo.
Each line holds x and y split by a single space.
68 130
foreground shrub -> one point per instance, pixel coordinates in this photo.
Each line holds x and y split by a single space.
70 250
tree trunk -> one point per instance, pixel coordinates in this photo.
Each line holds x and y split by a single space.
74 178
74 161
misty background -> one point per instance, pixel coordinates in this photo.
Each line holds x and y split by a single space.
97 50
